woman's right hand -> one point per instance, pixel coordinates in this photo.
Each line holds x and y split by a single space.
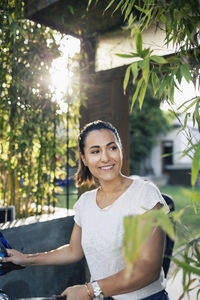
15 257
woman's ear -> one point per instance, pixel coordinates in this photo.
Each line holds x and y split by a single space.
83 159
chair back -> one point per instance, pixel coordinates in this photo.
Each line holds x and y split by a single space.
169 244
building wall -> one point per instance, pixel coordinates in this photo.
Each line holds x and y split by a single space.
115 42
180 143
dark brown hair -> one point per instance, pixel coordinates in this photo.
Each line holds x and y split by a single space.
83 174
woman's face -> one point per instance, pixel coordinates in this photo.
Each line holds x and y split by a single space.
103 154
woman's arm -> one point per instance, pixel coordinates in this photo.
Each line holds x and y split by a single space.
145 271
63 255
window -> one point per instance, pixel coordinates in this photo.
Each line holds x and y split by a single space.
167 154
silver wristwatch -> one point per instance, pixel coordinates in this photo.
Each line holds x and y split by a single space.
98 294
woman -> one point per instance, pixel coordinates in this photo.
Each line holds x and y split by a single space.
98 228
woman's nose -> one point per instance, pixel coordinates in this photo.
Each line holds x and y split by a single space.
104 156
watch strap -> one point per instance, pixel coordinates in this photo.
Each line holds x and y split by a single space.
96 288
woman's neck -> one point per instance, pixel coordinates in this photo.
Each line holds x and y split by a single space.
108 192
119 183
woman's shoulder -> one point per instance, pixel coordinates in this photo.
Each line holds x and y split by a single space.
85 198
148 194
87 194
143 182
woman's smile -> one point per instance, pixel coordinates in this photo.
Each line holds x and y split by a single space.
107 168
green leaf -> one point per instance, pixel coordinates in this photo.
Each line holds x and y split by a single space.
171 89
177 214
178 76
196 114
139 42
162 219
142 93
155 82
185 71
158 59
134 69
185 121
146 70
195 165
185 102
163 18
109 5
126 78
172 113
141 9
136 93
128 10
132 55
145 53
194 197
118 6
186 267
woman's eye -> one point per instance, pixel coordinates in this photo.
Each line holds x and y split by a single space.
113 148
95 151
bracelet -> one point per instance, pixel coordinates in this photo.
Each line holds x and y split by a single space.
88 291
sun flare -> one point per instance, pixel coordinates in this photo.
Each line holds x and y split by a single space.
60 69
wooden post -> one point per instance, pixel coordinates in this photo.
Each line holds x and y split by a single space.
104 97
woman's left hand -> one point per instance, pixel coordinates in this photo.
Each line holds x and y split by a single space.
76 292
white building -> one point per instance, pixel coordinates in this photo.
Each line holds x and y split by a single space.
166 162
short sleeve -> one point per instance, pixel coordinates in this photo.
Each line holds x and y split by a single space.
151 196
77 210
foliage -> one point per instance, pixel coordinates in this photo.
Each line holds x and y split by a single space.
145 126
182 30
180 22
142 226
187 227
29 119
189 262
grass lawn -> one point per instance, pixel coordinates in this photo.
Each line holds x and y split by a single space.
189 226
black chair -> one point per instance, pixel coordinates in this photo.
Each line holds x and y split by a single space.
169 242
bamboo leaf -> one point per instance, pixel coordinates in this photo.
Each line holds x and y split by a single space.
185 71
142 93
146 70
158 59
126 78
185 102
155 82
195 165
139 42
128 10
134 69
172 113
185 120
141 9
177 214
132 55
163 220
187 151
136 92
109 5
145 53
186 267
118 6
89 3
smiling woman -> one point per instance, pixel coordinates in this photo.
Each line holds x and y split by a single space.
98 231
60 70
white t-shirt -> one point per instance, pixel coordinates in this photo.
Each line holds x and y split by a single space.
102 231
